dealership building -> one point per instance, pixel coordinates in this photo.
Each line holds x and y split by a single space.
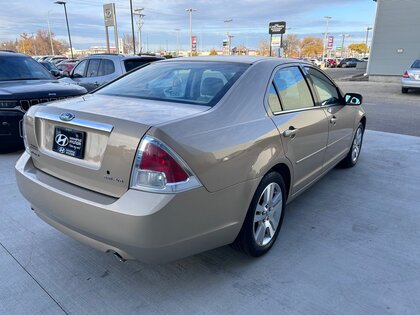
396 39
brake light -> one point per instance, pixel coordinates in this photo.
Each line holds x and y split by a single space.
159 168
405 75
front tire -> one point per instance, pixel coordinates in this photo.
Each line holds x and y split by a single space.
353 156
404 90
264 217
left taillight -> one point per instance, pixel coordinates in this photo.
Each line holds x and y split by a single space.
158 168
406 75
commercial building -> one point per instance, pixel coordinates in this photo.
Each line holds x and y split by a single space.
396 39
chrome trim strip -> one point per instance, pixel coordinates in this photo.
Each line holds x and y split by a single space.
77 122
310 155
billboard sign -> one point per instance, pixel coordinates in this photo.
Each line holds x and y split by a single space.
330 42
277 28
109 14
276 41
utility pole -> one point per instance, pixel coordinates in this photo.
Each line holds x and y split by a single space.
367 39
68 28
190 11
177 41
228 35
327 18
132 27
139 13
49 33
342 43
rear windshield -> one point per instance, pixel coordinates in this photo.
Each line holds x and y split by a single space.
416 64
22 68
201 83
133 63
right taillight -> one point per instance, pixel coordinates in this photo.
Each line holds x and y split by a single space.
405 75
158 168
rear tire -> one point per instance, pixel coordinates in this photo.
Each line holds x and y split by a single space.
353 156
264 217
404 90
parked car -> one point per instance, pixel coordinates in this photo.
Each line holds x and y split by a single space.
316 62
51 68
23 83
411 78
331 63
66 67
55 59
98 69
189 154
348 63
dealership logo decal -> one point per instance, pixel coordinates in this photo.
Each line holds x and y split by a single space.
67 116
61 140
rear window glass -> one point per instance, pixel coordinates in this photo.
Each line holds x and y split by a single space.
416 64
132 64
201 83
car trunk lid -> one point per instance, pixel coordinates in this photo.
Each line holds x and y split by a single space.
103 133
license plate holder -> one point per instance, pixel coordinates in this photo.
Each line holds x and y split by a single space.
70 142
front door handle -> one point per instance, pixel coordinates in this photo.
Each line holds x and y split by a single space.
290 133
333 120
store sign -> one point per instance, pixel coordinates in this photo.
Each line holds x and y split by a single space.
109 14
277 28
276 41
194 43
330 42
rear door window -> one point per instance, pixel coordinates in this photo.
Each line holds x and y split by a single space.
106 67
93 67
292 88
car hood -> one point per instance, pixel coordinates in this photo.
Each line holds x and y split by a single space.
149 112
38 89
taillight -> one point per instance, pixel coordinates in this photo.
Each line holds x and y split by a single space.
405 75
158 168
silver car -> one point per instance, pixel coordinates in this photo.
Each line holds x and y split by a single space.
411 77
186 155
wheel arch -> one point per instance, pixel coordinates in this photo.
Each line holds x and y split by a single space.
284 170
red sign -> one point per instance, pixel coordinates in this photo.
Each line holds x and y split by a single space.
330 42
194 43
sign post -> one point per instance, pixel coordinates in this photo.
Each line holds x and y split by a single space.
194 43
110 19
277 28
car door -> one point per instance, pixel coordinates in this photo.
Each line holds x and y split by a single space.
340 117
91 79
79 71
302 125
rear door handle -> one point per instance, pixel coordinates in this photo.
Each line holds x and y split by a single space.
290 133
333 120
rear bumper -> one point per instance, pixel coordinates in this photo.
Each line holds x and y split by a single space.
140 225
10 129
410 83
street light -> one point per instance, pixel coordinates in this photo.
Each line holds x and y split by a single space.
132 26
177 41
342 43
327 18
367 38
228 35
190 11
67 22
139 13
49 33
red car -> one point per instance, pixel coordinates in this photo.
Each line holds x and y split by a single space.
66 66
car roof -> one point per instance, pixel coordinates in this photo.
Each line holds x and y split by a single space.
123 56
7 53
236 59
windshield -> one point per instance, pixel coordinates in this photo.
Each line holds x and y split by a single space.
416 64
22 68
201 83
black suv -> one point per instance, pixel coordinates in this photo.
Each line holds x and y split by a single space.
23 83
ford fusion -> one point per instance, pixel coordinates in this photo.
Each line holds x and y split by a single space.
187 155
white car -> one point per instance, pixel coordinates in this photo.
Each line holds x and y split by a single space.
411 77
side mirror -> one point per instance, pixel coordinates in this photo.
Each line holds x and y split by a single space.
353 99
55 73
65 74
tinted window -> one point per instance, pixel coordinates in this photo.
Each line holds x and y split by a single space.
327 91
132 64
79 71
292 89
19 68
93 67
273 99
416 64
202 83
106 67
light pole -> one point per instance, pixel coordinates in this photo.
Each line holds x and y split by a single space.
228 35
68 28
139 13
132 27
367 38
327 18
49 33
177 41
190 11
342 43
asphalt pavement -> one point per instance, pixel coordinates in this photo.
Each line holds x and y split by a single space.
349 245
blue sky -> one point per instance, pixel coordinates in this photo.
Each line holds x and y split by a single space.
249 26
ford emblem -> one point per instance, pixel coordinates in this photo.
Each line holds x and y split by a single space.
67 116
